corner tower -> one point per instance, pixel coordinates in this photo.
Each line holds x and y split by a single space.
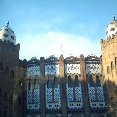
109 65
9 76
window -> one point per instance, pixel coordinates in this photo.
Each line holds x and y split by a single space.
12 37
69 77
112 65
108 70
101 104
98 81
5 35
76 77
76 82
70 82
6 29
112 29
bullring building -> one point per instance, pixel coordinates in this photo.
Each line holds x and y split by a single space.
57 86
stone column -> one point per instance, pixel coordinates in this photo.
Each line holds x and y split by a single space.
42 67
42 98
61 67
63 97
84 87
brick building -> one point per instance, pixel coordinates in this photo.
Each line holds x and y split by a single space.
58 87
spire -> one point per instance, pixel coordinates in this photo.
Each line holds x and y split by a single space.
8 24
113 17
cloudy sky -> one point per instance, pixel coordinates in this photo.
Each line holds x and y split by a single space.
42 26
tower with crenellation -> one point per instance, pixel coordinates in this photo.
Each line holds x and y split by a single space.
109 65
10 75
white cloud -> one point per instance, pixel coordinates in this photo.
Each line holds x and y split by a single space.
46 44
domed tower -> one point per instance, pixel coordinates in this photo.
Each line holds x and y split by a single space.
111 29
9 73
109 64
7 34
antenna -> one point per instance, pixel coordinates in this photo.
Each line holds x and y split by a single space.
61 49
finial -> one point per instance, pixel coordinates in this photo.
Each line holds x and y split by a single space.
8 24
113 17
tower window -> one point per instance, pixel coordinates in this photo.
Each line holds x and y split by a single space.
112 65
6 29
12 37
108 69
112 29
5 35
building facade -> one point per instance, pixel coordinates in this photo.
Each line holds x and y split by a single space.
10 92
67 87
58 87
109 65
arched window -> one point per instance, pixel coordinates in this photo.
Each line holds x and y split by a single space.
70 82
76 77
98 81
1 66
76 83
5 96
55 82
91 80
112 65
69 77
49 84
0 92
108 70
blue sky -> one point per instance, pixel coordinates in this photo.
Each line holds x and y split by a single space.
42 26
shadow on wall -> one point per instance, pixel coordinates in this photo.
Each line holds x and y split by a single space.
111 98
